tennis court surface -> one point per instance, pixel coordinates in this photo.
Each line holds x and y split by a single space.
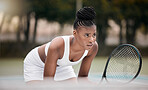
11 78
17 83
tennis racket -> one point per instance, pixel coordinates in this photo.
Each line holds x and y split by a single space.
123 65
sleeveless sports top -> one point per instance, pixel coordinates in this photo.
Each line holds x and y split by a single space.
65 59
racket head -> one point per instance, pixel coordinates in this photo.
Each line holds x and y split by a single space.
123 65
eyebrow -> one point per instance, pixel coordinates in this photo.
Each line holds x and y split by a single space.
87 33
90 33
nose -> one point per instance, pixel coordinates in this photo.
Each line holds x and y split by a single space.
91 39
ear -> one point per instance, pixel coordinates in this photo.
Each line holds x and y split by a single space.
74 32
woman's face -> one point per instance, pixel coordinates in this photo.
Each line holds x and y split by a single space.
85 36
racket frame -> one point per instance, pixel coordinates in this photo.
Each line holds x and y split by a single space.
140 62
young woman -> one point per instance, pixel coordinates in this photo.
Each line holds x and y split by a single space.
54 60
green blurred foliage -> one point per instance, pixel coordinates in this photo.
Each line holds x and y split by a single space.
53 10
134 12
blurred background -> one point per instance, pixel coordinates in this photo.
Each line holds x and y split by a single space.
25 24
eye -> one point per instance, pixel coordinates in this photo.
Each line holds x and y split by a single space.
86 35
94 35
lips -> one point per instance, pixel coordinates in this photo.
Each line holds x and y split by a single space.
90 45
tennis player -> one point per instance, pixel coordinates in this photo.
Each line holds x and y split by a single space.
54 60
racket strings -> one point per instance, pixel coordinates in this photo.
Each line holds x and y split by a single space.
123 63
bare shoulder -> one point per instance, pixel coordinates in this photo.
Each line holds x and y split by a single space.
57 46
94 49
57 42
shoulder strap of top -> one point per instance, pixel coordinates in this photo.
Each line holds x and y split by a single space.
46 48
66 47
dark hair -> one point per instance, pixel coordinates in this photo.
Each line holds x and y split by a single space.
85 17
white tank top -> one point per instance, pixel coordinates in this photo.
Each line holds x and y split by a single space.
65 59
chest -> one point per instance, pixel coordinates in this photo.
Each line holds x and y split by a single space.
72 59
75 56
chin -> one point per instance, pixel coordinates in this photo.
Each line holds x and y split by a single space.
88 48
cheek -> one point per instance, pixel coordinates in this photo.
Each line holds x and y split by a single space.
82 40
85 41
94 39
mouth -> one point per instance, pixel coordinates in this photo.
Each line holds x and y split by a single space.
90 45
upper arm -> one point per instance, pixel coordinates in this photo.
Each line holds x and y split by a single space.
86 63
52 57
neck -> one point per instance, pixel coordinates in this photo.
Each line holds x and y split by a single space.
75 45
